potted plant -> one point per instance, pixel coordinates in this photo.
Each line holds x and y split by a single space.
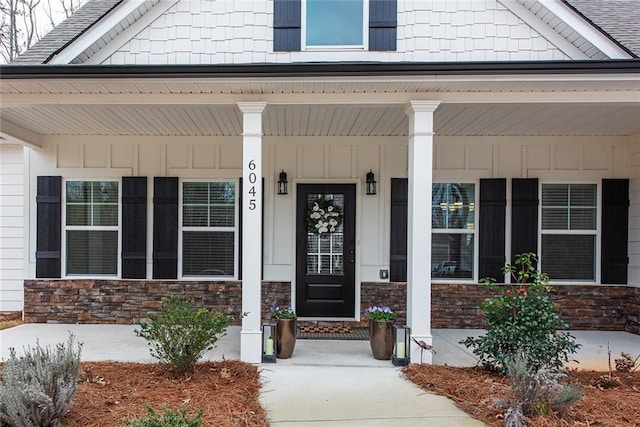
381 340
287 328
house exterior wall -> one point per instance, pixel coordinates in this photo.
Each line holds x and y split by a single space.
12 230
224 32
325 159
633 165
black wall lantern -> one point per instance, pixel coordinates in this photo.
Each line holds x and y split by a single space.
371 183
282 183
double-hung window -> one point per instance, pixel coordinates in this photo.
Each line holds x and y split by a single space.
334 23
209 229
91 225
453 219
569 231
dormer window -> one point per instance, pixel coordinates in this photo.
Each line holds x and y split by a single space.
331 24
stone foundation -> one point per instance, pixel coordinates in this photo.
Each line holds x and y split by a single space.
595 307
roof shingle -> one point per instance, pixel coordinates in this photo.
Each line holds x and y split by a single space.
66 32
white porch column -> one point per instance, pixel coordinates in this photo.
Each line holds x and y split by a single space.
250 337
419 225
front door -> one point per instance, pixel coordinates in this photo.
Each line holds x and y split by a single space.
325 250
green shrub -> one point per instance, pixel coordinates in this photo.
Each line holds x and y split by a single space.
168 418
36 389
180 334
522 321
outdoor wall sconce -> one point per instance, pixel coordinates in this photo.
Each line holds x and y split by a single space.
282 183
269 342
401 335
371 183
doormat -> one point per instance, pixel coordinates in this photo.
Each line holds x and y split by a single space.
333 333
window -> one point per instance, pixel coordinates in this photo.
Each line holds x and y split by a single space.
334 23
453 221
209 229
91 227
316 24
569 226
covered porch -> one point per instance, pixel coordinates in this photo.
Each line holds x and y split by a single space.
330 125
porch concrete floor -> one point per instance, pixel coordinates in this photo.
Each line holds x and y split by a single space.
325 383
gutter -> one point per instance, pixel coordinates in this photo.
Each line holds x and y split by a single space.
324 69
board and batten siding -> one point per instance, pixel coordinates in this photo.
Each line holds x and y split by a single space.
12 230
633 164
331 159
225 32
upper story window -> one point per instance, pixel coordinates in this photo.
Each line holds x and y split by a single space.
209 229
569 231
317 24
453 221
334 23
91 226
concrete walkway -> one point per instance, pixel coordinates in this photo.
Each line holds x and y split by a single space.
325 383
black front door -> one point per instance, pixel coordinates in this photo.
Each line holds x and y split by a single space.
325 250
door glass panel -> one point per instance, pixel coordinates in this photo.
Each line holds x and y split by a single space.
325 250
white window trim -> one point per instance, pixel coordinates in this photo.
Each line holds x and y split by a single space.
236 230
474 231
597 233
329 48
65 228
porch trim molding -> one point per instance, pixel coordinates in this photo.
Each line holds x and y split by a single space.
420 174
250 336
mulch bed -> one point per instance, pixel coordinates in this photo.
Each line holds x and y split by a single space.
108 392
474 390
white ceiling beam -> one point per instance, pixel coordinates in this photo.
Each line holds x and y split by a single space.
20 135
31 100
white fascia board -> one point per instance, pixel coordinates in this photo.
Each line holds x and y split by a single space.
543 29
17 134
97 31
587 30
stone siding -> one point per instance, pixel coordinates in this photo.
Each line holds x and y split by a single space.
614 308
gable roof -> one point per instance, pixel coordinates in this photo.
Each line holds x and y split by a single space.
616 19
66 32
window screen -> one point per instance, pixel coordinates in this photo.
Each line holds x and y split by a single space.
569 225
91 227
209 229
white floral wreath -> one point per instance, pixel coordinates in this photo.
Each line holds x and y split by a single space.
323 217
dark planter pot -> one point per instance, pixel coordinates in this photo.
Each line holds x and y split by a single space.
287 329
381 339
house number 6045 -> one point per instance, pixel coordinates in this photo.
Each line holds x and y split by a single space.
252 187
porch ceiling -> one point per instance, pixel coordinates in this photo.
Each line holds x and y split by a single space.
477 106
513 119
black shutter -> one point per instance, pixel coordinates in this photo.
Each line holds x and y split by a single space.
398 238
524 216
134 227
382 24
287 16
49 226
165 228
615 229
491 228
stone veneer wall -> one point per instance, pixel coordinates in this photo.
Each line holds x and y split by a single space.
453 305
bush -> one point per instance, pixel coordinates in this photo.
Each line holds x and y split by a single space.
36 389
522 321
180 334
169 418
541 392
